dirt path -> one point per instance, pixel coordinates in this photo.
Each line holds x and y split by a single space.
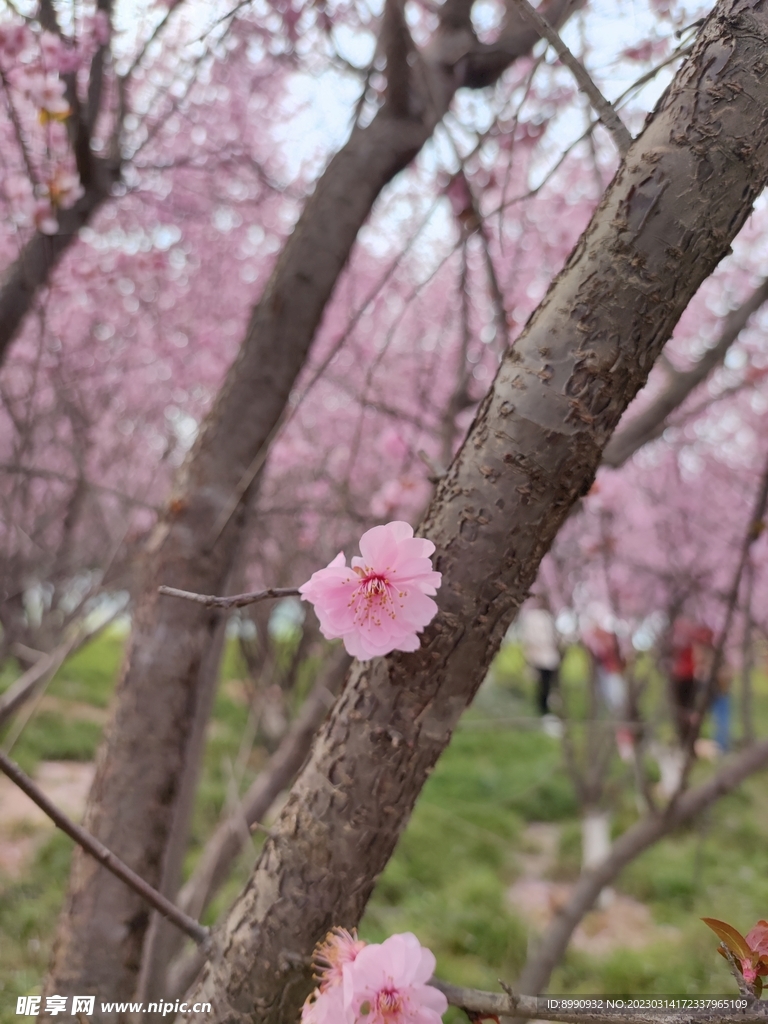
624 922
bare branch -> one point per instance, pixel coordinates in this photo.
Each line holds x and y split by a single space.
102 854
650 423
236 601
479 1004
603 108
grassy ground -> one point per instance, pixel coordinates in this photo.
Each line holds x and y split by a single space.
449 878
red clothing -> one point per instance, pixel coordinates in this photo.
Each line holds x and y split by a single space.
604 648
683 664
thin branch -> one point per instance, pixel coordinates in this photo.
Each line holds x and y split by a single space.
602 107
104 856
35 677
51 474
478 1005
235 601
650 423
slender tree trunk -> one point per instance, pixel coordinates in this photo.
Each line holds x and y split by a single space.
232 834
649 830
131 805
681 195
158 946
748 659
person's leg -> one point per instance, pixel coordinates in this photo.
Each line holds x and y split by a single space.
545 681
721 713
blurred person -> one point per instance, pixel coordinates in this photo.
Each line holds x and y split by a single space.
541 650
610 667
720 700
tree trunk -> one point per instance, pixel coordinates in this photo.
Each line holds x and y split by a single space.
131 805
681 195
649 830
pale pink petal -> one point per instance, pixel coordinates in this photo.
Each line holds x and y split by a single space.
383 977
379 604
380 546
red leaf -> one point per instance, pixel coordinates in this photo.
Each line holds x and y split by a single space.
733 939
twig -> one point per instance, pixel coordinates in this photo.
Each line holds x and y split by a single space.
436 471
104 856
744 987
603 108
235 601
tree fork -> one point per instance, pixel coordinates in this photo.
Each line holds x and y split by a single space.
678 200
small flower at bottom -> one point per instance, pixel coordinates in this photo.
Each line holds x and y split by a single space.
387 984
325 1007
380 602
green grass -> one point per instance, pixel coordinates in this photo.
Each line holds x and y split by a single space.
460 852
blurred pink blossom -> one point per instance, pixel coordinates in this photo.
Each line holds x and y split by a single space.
13 40
380 603
101 27
47 93
57 55
387 984
401 494
64 188
45 218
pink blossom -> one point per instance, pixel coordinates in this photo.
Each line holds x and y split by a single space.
47 93
13 40
387 984
325 1007
380 603
338 948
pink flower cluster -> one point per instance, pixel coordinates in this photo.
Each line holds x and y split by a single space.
373 984
378 604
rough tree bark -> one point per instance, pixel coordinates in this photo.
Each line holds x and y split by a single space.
100 937
554 942
679 198
650 423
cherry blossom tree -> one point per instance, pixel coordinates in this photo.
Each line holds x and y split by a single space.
368 347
